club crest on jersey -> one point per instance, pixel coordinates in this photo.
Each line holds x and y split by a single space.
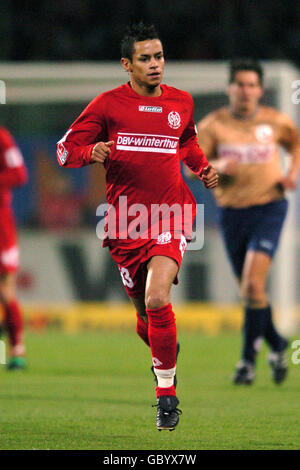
150 109
174 120
264 133
164 238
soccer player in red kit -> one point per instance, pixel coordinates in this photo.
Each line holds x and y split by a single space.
139 132
12 174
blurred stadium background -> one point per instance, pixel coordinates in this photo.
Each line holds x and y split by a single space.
53 62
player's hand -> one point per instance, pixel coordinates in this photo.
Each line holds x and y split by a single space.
101 151
209 177
289 181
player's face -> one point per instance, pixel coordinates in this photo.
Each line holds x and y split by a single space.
245 92
147 65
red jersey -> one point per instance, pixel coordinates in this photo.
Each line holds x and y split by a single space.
12 174
12 169
151 135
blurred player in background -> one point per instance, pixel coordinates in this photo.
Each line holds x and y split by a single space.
12 174
136 131
242 143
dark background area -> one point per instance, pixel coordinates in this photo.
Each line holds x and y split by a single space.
190 29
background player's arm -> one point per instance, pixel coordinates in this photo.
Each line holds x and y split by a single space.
196 161
13 172
194 158
290 140
86 140
208 142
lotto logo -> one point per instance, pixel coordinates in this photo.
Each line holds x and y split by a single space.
150 109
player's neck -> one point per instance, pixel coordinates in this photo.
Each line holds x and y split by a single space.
143 90
244 114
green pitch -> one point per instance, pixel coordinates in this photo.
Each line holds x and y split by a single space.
94 390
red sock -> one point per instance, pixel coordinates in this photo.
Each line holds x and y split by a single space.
142 329
13 322
162 337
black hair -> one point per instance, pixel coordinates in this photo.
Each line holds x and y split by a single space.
136 32
245 64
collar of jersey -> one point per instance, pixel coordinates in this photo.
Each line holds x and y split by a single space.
131 92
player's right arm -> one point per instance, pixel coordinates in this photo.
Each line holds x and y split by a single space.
206 141
86 140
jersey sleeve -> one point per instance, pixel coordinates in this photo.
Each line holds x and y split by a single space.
13 171
75 148
190 152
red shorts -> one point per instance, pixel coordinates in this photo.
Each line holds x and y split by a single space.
9 252
133 263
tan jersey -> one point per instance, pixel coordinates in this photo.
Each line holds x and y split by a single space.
254 144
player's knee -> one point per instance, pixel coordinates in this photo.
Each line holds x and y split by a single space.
156 298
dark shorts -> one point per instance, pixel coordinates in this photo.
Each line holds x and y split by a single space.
132 264
255 228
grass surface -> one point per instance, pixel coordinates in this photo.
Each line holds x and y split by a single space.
94 390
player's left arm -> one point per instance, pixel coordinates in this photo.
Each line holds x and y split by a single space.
192 155
13 170
290 140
